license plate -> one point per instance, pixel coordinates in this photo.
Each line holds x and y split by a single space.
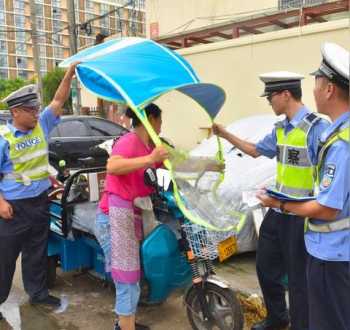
227 248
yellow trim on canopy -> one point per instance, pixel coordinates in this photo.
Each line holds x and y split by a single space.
140 113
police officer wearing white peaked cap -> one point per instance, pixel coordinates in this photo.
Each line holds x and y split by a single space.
24 222
27 95
280 80
328 231
281 248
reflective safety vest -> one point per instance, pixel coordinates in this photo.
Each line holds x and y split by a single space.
28 154
295 171
341 135
340 224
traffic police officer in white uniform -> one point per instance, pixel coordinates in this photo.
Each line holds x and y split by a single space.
328 230
24 215
281 248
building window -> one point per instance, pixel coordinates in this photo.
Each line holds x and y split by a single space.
18 6
89 5
2 17
2 4
56 3
140 4
21 48
39 10
104 21
58 52
22 74
20 21
118 24
3 46
40 23
56 25
3 61
43 65
21 62
40 38
20 36
56 13
3 74
104 8
42 51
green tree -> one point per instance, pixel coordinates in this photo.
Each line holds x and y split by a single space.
51 82
7 86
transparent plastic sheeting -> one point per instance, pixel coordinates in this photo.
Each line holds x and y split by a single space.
223 207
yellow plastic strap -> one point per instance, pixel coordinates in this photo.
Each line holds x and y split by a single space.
187 214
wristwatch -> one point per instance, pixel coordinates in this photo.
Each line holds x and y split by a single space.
282 204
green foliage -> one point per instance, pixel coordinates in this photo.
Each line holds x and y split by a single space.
51 82
7 86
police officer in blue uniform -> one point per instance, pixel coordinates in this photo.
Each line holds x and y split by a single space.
328 230
24 215
281 248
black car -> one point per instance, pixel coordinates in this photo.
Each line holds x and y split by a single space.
77 137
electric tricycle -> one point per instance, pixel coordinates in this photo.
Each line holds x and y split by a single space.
174 254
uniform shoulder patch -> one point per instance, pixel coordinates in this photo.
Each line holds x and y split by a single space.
328 175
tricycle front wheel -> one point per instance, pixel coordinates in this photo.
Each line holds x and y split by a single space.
224 308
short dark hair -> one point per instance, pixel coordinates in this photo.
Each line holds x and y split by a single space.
296 93
151 110
344 93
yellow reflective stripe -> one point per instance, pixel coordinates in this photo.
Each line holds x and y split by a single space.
297 192
36 171
28 157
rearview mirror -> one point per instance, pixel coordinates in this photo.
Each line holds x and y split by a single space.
150 177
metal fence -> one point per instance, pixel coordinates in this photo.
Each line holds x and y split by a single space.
290 4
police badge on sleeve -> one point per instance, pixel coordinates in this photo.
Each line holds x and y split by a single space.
328 175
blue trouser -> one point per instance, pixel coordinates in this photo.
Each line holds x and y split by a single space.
329 294
127 298
103 236
27 233
281 250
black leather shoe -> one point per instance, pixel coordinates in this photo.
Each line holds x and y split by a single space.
270 325
1 317
49 301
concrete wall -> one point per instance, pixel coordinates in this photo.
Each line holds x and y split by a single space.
172 15
235 65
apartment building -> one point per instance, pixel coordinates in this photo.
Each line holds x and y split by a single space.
118 17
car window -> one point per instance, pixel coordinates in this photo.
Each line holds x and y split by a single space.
54 133
105 128
73 128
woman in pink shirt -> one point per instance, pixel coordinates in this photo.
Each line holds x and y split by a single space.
131 155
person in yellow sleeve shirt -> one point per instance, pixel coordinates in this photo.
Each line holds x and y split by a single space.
24 212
